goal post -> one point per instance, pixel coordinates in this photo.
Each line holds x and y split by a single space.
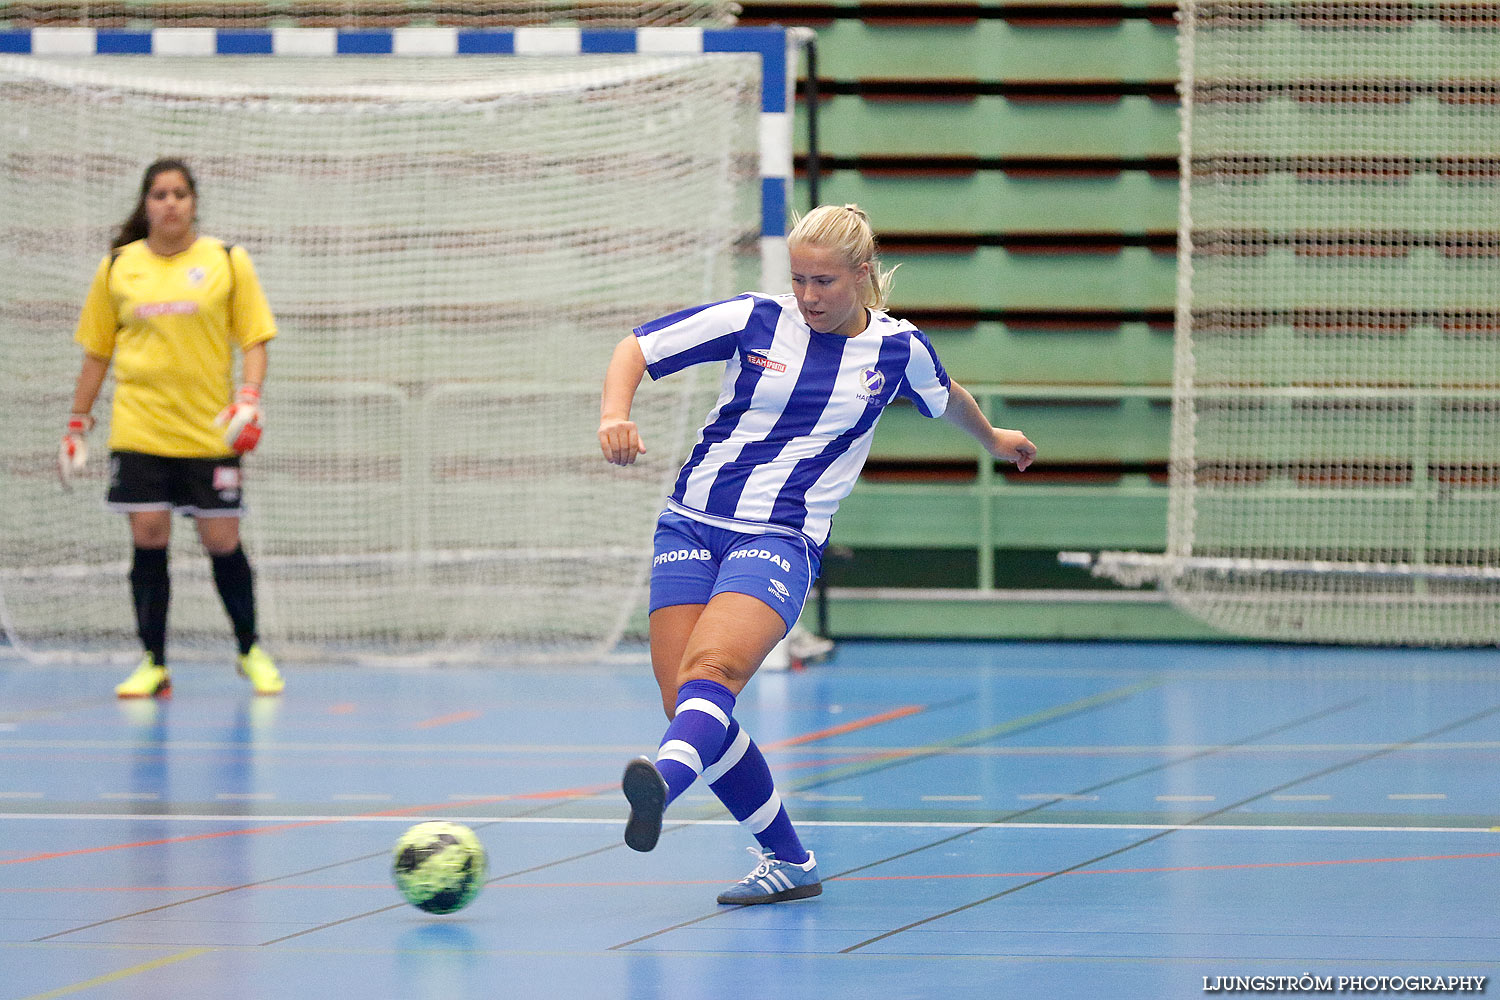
1336 409
454 227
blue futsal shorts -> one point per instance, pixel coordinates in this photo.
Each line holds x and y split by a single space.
695 561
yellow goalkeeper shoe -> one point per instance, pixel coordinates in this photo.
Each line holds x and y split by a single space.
146 681
261 670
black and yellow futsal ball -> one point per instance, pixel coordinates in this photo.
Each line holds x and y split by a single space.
439 867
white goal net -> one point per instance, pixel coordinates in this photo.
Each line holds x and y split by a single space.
1336 446
452 247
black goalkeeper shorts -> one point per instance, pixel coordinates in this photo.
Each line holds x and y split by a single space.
196 487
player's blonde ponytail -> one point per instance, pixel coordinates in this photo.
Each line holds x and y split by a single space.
846 229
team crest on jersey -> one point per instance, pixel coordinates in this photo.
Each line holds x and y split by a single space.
195 276
873 380
762 361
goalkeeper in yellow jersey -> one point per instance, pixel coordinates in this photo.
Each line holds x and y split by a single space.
166 308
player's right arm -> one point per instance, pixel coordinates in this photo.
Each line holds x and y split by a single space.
619 438
96 334
73 453
90 381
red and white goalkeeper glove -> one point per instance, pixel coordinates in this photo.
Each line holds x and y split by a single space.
241 420
73 454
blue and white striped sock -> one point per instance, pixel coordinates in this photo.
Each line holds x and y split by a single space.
696 734
742 780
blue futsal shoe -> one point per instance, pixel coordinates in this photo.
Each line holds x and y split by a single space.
775 881
646 791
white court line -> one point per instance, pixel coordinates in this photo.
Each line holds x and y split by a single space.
245 796
1184 798
553 749
20 795
952 798
381 748
1411 796
131 796
1059 796
854 824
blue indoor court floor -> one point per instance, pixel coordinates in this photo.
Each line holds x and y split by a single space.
1006 820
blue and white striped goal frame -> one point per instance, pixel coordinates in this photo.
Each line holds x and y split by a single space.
776 47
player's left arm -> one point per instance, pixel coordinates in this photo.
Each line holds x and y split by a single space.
250 318
241 418
964 413
253 365
254 326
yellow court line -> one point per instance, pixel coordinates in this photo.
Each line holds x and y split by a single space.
134 970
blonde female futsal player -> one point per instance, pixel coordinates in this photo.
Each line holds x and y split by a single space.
167 307
807 376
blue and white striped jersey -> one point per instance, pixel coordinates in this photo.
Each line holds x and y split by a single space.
796 409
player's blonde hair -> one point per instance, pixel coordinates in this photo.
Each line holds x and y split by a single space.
846 229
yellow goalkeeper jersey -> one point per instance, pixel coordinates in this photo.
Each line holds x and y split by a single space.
169 325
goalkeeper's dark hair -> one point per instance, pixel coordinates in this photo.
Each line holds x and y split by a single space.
846 229
135 227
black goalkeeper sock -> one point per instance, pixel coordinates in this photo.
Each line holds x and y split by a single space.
151 589
236 585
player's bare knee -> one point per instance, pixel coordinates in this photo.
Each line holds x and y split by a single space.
714 665
220 536
151 536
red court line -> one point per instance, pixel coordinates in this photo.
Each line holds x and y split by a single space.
568 793
848 727
165 840
275 828
444 720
